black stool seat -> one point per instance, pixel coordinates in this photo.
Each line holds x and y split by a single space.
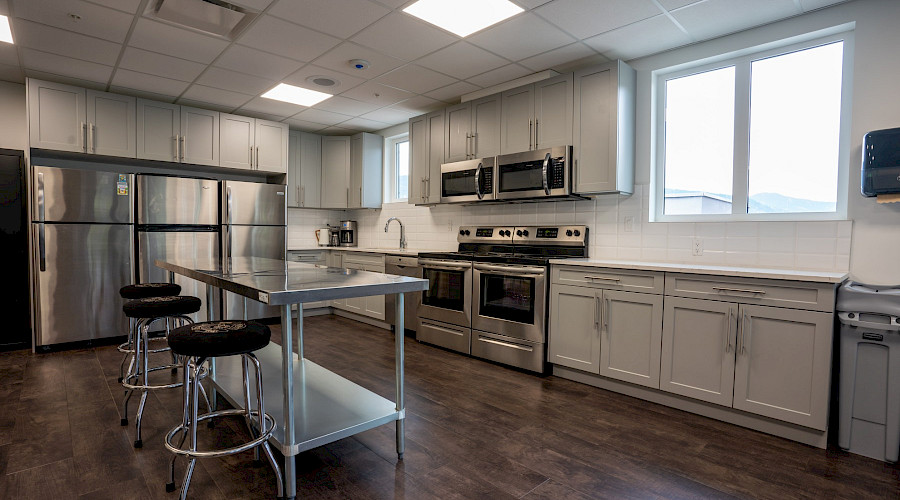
145 290
158 307
219 338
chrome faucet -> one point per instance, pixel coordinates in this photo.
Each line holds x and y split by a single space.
402 231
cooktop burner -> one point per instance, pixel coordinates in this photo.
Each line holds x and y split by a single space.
517 245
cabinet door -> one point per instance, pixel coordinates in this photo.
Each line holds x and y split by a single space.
355 304
293 176
57 116
271 147
457 131
199 136
418 159
517 120
553 112
356 171
111 124
158 130
435 122
310 170
237 137
698 349
631 337
375 303
783 368
335 171
486 126
574 328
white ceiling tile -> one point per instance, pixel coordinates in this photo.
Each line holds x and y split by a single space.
642 38
252 4
272 107
264 116
341 18
584 18
205 105
676 4
376 93
143 94
95 20
451 93
303 125
338 59
321 116
499 75
730 16
65 43
557 57
346 106
365 125
160 65
344 82
508 38
419 104
9 54
11 74
148 83
256 62
416 79
123 5
808 5
212 95
337 131
165 39
390 115
403 36
234 81
274 35
462 60
60 65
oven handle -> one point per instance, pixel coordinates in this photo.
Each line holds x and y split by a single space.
446 266
545 172
510 270
505 344
478 181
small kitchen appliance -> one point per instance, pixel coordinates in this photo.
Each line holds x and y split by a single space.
348 233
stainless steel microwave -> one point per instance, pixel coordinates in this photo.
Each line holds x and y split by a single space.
543 173
468 181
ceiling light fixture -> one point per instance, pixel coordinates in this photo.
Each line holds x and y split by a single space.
5 32
463 17
296 95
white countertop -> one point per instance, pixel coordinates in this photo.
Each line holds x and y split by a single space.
411 252
745 272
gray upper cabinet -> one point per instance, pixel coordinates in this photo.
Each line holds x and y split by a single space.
271 147
199 136
426 136
459 130
366 173
169 132
335 172
473 129
435 123
67 118
603 139
537 116
237 138
305 170
418 158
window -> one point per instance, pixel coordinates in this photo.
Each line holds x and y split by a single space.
397 172
757 137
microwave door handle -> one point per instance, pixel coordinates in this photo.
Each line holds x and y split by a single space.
545 172
478 181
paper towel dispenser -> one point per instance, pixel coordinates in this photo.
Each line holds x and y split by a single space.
881 162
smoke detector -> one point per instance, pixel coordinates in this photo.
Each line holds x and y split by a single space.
214 17
359 64
323 81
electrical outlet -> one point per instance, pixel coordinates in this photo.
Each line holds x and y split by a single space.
629 223
697 247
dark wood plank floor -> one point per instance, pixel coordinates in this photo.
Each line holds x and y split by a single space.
474 430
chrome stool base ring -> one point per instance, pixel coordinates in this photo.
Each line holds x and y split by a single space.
270 426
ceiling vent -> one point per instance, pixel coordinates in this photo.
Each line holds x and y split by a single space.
208 16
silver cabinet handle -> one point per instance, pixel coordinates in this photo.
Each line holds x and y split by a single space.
728 330
360 197
738 290
176 137
83 137
92 145
530 130
251 157
597 312
740 342
183 146
606 315
302 196
537 124
257 157
42 253
474 145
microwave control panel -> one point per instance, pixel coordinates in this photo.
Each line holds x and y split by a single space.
557 174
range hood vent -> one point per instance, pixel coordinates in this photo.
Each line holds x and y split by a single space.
208 16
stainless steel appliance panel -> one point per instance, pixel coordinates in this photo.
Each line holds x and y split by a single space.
177 201
184 246
508 350
510 300
78 271
69 195
452 337
349 234
543 173
403 266
251 241
449 295
468 181
253 203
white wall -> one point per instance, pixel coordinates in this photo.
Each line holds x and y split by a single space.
13 125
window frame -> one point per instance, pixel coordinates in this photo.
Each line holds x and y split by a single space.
390 172
740 181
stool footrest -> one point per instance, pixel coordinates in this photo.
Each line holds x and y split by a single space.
270 424
128 385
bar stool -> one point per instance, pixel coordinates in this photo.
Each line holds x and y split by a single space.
146 312
141 291
196 343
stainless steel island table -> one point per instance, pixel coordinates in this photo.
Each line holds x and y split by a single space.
318 406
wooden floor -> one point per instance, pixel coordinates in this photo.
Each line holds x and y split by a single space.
474 430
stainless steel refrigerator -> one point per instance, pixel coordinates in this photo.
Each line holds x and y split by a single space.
82 247
177 217
253 225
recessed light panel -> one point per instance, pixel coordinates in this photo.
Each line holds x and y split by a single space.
296 95
463 17
5 32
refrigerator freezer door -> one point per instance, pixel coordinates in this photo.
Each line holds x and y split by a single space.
197 247
81 196
252 203
78 290
177 200
252 241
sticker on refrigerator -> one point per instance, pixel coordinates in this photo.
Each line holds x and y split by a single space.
122 185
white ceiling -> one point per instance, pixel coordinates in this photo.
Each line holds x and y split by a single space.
415 67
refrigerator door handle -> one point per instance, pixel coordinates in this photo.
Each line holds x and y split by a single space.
42 251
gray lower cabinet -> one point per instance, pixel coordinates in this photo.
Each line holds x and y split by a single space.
574 328
371 306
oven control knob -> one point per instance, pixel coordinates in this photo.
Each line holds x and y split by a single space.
577 233
525 233
518 232
462 233
467 232
568 232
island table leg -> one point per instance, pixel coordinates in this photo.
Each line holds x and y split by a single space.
399 337
287 374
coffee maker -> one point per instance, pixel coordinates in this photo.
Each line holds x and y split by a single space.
348 233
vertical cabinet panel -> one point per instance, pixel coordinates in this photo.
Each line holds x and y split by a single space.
435 124
56 116
335 171
698 349
553 112
237 136
517 121
199 136
356 171
271 147
574 327
158 128
631 337
783 359
111 124
310 170
458 131
486 126
418 159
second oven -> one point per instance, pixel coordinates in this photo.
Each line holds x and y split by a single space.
449 291
510 300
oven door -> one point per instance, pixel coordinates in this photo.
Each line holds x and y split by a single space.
534 174
510 300
449 291
467 181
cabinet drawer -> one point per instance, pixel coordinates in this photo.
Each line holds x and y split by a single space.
611 279
307 256
779 293
364 259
